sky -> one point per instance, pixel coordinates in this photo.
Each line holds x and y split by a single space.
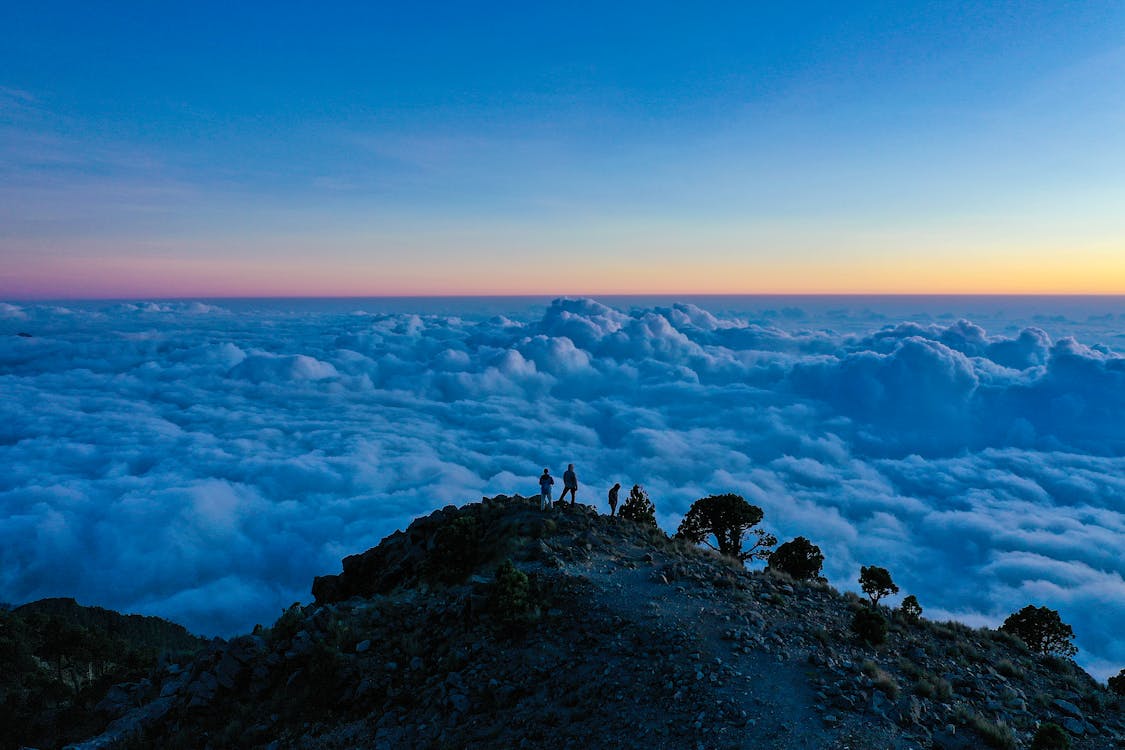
204 461
253 149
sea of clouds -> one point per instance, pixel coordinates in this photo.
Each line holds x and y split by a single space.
204 461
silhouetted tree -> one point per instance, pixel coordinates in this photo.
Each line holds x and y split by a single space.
638 507
911 609
1117 684
876 583
1042 630
799 558
726 518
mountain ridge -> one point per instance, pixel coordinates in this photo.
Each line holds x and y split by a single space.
498 624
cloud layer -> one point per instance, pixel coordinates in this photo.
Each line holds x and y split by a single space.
204 463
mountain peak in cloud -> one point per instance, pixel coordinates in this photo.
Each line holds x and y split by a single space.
947 449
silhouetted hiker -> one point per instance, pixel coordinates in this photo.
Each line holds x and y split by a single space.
613 498
545 482
570 484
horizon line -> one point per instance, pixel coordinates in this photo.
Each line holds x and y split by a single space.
574 295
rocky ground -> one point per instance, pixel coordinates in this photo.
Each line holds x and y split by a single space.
613 636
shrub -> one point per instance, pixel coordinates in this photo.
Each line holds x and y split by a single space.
911 609
881 679
929 685
1042 630
994 734
1050 737
1008 669
288 624
876 583
799 558
456 549
870 626
727 518
1117 684
638 507
322 671
510 599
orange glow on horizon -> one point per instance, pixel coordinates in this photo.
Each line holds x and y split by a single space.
181 278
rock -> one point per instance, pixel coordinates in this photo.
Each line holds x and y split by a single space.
1067 708
202 690
239 653
328 588
302 644
362 646
127 725
459 701
946 740
1074 726
173 685
228 671
118 699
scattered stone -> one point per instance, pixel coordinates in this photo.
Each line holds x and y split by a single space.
617 638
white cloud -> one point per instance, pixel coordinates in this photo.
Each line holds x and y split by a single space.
205 463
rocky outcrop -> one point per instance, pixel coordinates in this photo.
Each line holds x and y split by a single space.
601 633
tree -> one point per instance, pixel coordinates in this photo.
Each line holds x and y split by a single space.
1117 684
726 518
876 583
911 609
638 507
1042 630
799 558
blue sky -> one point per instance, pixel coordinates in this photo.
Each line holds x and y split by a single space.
216 149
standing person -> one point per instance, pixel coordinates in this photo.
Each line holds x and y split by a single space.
545 482
570 484
613 499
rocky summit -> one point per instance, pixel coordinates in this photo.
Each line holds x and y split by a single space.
500 625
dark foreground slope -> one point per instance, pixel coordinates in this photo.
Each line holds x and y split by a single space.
58 659
603 633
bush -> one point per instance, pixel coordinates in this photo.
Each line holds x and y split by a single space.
510 600
870 626
638 507
1042 630
876 583
1050 737
287 624
929 685
727 518
994 734
1008 669
881 679
456 549
799 558
1117 684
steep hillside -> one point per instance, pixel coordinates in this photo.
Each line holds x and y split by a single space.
599 632
58 658
141 632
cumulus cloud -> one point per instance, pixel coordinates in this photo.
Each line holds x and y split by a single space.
204 463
